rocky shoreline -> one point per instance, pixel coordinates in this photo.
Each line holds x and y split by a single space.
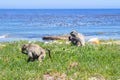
61 37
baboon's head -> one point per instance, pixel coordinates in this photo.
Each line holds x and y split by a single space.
23 48
74 33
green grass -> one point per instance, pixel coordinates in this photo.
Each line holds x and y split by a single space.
92 59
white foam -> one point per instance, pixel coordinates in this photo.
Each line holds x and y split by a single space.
4 36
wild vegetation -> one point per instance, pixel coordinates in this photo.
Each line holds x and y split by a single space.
90 59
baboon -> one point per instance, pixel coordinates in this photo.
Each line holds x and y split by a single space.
34 51
77 38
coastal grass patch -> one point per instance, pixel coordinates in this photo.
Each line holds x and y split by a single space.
91 59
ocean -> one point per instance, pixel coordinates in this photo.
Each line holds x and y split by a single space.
33 24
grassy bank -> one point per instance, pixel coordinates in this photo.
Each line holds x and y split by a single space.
91 59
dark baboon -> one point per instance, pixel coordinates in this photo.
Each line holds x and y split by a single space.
77 38
34 51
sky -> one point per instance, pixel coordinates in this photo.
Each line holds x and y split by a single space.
58 4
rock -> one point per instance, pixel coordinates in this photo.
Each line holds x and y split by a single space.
55 76
111 42
94 41
2 45
97 77
61 37
73 65
47 77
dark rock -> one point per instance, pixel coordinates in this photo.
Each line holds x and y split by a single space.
61 37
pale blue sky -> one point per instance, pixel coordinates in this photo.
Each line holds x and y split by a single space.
55 4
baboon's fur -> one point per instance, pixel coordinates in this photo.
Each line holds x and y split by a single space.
77 38
34 51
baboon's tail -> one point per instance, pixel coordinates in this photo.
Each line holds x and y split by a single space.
49 53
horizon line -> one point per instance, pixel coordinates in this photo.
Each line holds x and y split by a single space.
59 8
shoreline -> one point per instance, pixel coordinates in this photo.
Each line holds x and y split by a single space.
102 42
52 38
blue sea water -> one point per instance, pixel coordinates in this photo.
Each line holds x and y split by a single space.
33 24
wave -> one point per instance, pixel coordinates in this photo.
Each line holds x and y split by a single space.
4 36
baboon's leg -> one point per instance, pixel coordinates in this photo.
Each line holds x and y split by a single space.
74 42
30 54
78 44
83 42
70 38
30 57
41 57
